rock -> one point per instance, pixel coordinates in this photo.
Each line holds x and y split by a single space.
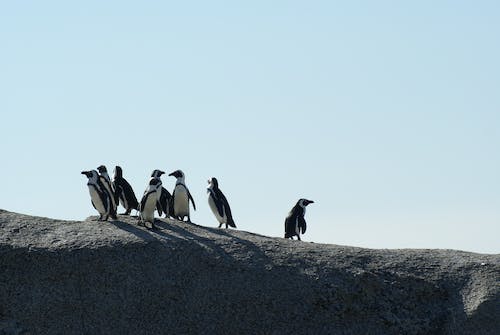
87 277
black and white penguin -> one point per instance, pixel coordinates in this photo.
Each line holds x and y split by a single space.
295 224
148 202
124 192
181 197
108 186
98 195
164 204
218 204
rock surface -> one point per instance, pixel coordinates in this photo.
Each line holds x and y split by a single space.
70 277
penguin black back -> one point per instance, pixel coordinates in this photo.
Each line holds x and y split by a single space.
124 191
219 204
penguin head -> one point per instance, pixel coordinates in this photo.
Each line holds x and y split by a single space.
102 169
92 175
118 172
157 173
177 174
154 182
213 183
305 202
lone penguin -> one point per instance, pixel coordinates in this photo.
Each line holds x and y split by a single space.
295 224
98 195
164 204
108 186
181 197
148 202
124 192
218 204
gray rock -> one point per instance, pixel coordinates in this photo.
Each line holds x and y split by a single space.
65 277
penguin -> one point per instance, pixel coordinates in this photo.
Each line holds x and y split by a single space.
218 204
108 187
148 202
98 195
181 197
295 224
124 192
164 203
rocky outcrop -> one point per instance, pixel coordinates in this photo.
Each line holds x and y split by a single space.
87 277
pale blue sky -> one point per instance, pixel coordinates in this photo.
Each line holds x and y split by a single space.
386 113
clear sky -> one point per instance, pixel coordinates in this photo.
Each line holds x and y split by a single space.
385 113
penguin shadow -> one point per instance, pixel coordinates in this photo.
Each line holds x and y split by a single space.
168 230
159 231
221 246
180 232
132 229
131 225
254 251
217 246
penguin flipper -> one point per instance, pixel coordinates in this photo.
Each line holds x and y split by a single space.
118 192
220 206
171 205
158 208
128 192
227 209
230 222
191 198
143 202
163 203
289 226
302 224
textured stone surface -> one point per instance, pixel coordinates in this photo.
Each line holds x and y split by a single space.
64 277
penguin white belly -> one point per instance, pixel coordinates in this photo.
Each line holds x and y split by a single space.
96 200
181 201
148 212
213 207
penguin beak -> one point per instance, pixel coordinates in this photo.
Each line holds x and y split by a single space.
310 202
87 173
162 172
177 174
